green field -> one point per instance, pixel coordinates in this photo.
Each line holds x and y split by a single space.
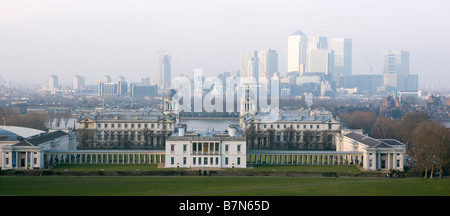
220 186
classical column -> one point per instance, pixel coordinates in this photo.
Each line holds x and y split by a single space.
378 160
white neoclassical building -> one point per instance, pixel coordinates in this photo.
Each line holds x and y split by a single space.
377 154
206 149
30 153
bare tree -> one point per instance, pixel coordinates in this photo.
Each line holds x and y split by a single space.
430 146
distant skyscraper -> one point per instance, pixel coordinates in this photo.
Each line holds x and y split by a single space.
53 84
107 79
259 63
297 46
165 69
78 83
268 63
342 48
396 62
396 71
317 42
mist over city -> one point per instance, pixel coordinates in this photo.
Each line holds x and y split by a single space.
295 92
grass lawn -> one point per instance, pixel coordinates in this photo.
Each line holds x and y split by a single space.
220 186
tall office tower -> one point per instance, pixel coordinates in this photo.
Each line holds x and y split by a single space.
317 42
253 68
53 83
297 46
122 86
396 72
78 83
268 63
318 56
165 71
245 58
259 63
396 62
342 48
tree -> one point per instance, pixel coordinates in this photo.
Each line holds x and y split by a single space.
408 124
430 146
385 128
250 135
360 120
288 137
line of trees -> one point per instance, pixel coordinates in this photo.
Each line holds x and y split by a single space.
427 140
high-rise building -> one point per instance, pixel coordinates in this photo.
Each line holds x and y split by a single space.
342 48
113 89
396 72
268 63
396 62
297 46
53 84
162 74
165 70
78 83
259 63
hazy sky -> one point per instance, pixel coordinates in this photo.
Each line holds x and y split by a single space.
94 38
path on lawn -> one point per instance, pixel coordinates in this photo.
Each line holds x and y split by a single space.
278 187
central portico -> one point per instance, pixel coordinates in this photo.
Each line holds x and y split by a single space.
206 149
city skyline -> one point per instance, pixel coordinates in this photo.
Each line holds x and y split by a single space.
122 38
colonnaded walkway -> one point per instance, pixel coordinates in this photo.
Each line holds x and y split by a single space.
158 157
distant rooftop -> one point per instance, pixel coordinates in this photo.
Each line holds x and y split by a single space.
298 32
374 143
12 132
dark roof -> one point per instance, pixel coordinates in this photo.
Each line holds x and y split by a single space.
372 142
45 138
23 143
392 142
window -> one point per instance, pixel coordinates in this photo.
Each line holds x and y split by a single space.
284 126
132 125
239 161
211 160
112 125
265 126
184 148
298 126
226 161
194 160
145 125
199 161
310 127
238 148
278 126
172 148
99 125
205 161
106 125
398 163
126 125
317 126
118 125
304 126
172 160
271 126
184 160
139 125
226 148
217 161
35 161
